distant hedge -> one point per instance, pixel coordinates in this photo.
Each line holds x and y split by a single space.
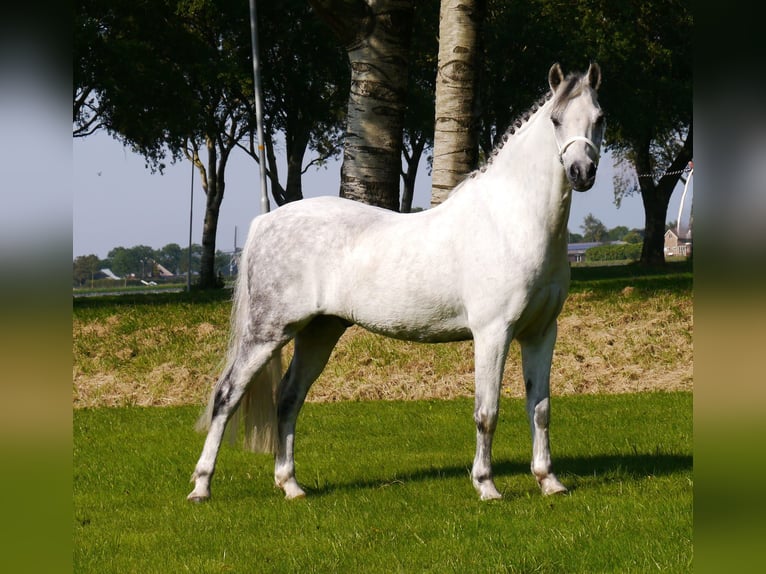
614 252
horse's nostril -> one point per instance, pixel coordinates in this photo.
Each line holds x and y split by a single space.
592 170
574 172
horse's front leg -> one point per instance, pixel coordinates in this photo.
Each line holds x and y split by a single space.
536 356
490 350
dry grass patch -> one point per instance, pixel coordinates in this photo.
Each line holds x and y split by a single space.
630 344
147 355
626 339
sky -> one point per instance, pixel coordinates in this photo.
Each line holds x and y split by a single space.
118 202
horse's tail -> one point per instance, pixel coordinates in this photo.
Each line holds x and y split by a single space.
257 409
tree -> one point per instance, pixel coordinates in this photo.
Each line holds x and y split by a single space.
419 115
376 36
593 229
169 77
520 42
646 48
196 259
617 233
84 267
137 260
173 79
169 257
574 237
456 134
86 115
305 80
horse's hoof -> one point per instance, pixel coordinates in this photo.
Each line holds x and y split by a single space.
295 496
551 485
291 489
487 490
491 496
194 497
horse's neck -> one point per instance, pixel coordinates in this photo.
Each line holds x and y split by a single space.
536 180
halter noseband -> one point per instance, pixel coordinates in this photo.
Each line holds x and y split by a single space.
574 139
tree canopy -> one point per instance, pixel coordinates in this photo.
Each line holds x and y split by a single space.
173 79
593 229
644 49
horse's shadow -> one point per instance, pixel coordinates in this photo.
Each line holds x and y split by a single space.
597 468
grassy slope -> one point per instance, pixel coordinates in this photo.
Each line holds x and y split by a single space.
621 330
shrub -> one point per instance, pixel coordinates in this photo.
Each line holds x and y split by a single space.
614 252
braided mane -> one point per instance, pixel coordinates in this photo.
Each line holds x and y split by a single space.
515 125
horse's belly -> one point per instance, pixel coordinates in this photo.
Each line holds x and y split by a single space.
408 318
442 332
407 294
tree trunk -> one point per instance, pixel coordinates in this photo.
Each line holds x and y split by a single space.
213 184
296 149
376 34
277 191
456 127
655 213
656 198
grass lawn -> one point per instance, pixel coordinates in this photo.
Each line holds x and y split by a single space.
389 491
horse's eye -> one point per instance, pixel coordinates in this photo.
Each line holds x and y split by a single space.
556 122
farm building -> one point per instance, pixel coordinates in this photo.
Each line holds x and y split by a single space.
675 245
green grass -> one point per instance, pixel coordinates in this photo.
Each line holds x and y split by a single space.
122 288
389 491
675 277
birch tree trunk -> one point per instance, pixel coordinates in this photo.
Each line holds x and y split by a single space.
456 134
376 35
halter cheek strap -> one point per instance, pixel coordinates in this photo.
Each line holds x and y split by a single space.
574 139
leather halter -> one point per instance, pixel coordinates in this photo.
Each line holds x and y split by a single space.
574 139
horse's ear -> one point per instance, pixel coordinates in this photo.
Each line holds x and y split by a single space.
555 77
594 75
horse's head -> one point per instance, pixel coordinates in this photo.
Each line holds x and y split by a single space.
578 123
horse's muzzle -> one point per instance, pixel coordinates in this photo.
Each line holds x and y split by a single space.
582 175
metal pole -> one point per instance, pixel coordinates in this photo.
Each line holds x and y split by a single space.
258 106
191 220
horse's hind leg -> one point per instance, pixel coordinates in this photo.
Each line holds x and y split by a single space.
229 391
536 356
313 346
